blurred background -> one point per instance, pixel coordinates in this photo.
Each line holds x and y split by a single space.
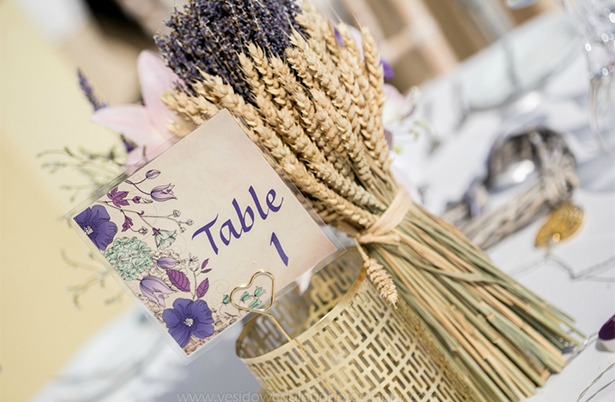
43 42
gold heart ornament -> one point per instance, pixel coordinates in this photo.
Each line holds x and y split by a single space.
562 222
257 296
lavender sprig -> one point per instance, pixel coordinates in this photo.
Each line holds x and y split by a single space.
97 104
88 91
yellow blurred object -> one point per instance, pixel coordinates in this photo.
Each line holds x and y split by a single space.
42 108
562 222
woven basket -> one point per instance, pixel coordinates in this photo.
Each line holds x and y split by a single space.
347 344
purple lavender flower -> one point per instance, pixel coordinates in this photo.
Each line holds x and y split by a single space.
163 193
167 262
88 91
188 318
96 223
129 145
118 198
155 289
208 35
387 69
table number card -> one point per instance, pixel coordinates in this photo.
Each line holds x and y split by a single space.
196 224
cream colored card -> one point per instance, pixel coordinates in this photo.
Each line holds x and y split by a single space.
188 230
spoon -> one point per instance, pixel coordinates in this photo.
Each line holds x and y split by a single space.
538 160
510 162
518 158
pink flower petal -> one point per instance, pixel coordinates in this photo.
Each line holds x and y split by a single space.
156 79
131 120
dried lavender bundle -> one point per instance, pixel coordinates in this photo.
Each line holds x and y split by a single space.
208 36
315 103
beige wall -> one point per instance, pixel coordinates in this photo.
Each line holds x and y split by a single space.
41 108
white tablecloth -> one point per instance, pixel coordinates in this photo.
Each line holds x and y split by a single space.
128 361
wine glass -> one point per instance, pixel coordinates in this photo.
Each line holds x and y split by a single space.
595 21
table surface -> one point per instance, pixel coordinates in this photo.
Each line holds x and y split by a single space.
130 361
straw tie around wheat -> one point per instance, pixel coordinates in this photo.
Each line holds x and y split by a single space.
383 231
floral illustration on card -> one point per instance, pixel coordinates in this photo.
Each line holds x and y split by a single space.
96 223
136 225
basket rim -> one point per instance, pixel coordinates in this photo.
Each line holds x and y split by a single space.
327 318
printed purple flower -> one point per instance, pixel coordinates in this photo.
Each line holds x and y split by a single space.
118 198
155 289
188 318
163 193
152 174
127 223
167 262
96 223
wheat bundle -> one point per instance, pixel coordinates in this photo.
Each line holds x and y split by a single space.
312 96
